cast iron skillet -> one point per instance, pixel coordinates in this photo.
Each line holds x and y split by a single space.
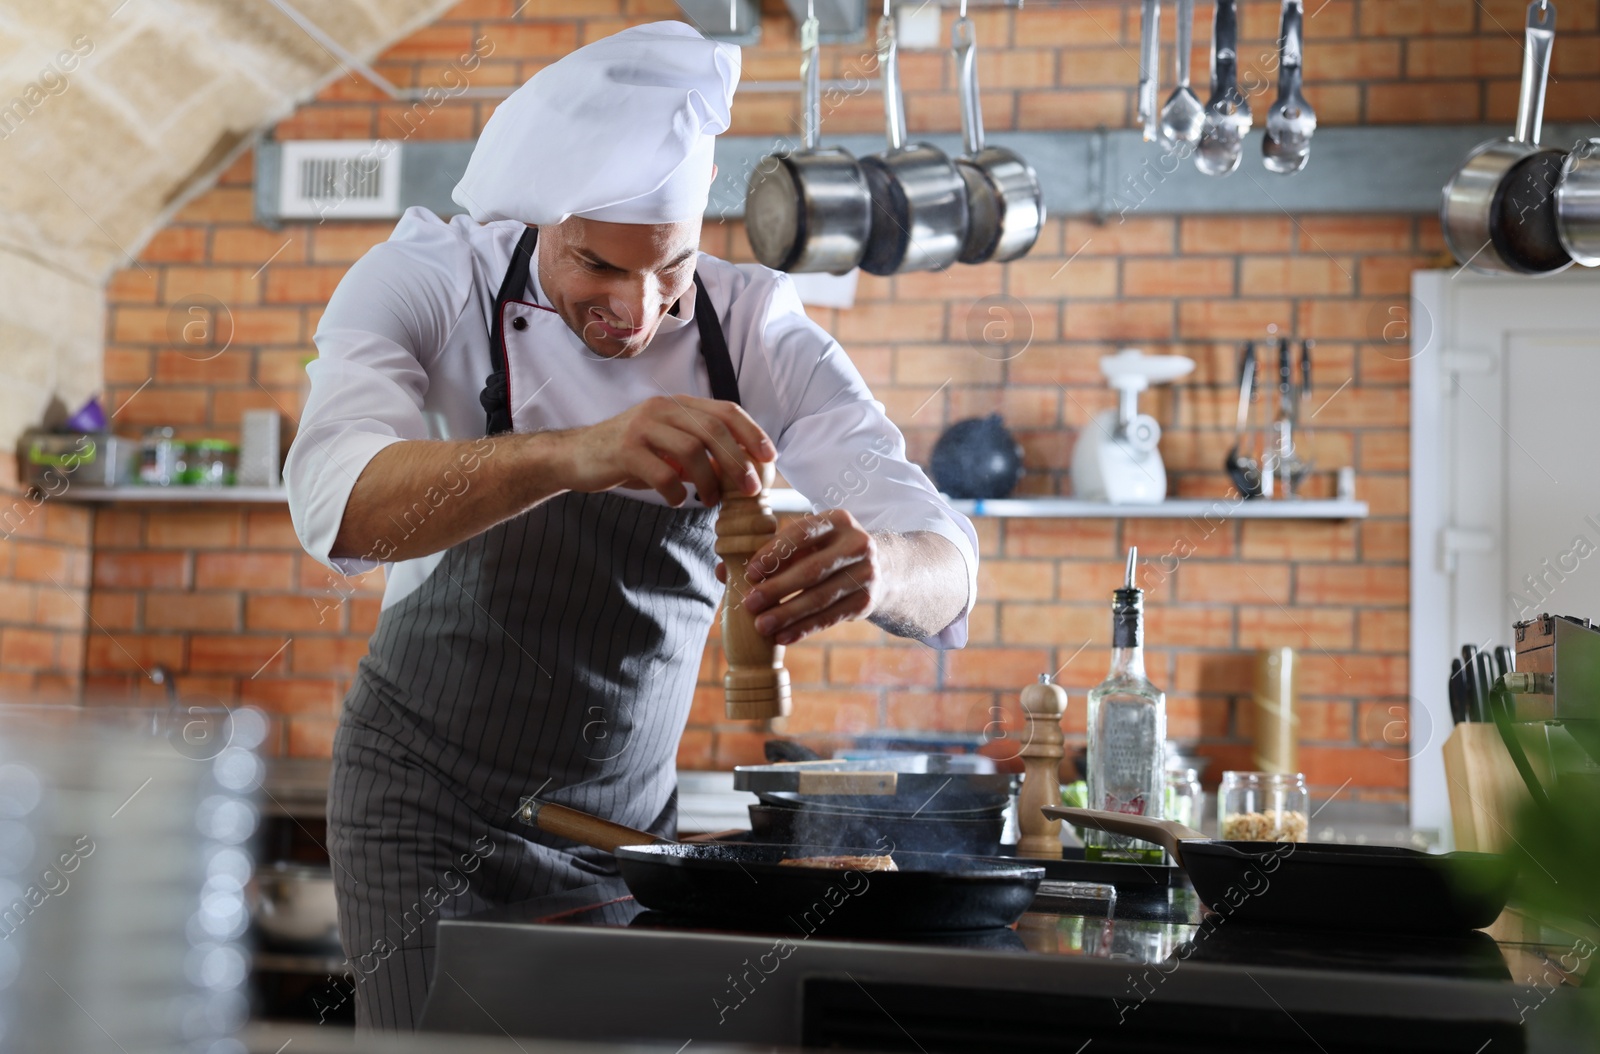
1324 886
746 883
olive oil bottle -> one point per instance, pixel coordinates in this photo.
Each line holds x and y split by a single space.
1127 733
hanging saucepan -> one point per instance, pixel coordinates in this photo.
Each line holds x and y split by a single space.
919 201
808 210
1005 206
1499 210
1578 203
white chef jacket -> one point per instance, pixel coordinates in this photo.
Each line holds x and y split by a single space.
406 334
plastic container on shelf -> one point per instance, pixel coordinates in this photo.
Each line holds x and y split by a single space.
160 458
212 463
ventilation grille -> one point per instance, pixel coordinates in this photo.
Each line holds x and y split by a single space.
339 179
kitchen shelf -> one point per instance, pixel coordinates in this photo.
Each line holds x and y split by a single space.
1101 173
784 500
178 495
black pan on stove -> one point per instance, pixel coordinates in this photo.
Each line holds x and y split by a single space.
929 893
751 883
1324 886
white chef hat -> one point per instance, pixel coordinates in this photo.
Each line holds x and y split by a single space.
619 130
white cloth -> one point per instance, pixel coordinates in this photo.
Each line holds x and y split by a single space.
407 334
620 130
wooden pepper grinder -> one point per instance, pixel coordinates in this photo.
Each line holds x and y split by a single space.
1044 704
756 685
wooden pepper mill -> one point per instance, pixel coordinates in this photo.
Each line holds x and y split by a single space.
756 684
1044 704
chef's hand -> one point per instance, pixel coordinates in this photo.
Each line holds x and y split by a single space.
665 442
828 561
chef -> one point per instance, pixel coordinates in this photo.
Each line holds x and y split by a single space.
527 416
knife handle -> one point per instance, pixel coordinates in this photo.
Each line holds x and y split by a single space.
1484 678
1458 707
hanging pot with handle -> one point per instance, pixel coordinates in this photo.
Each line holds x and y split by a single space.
808 210
1005 205
1578 203
1499 210
919 200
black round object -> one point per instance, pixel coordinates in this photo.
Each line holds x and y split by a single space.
977 458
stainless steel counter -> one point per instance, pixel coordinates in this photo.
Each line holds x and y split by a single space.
594 964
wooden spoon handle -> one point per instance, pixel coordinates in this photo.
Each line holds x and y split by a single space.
581 827
1168 834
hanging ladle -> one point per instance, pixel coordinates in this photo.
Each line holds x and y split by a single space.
1291 121
1242 469
1228 116
1183 118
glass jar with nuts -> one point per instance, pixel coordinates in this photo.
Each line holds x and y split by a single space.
1262 807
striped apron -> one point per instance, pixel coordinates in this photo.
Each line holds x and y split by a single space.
555 653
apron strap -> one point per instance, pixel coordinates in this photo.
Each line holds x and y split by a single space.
714 346
496 395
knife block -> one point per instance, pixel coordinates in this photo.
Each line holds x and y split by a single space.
1043 703
1485 789
756 686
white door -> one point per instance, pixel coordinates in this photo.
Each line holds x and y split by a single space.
1505 479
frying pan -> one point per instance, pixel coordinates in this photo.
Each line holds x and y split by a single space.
748 883
1324 886
957 819
1499 210
1005 205
919 200
808 210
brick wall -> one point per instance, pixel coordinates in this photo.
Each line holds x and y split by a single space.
225 596
44 593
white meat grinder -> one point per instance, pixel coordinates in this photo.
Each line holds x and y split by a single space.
1117 458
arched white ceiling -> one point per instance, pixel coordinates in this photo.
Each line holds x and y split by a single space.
112 112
